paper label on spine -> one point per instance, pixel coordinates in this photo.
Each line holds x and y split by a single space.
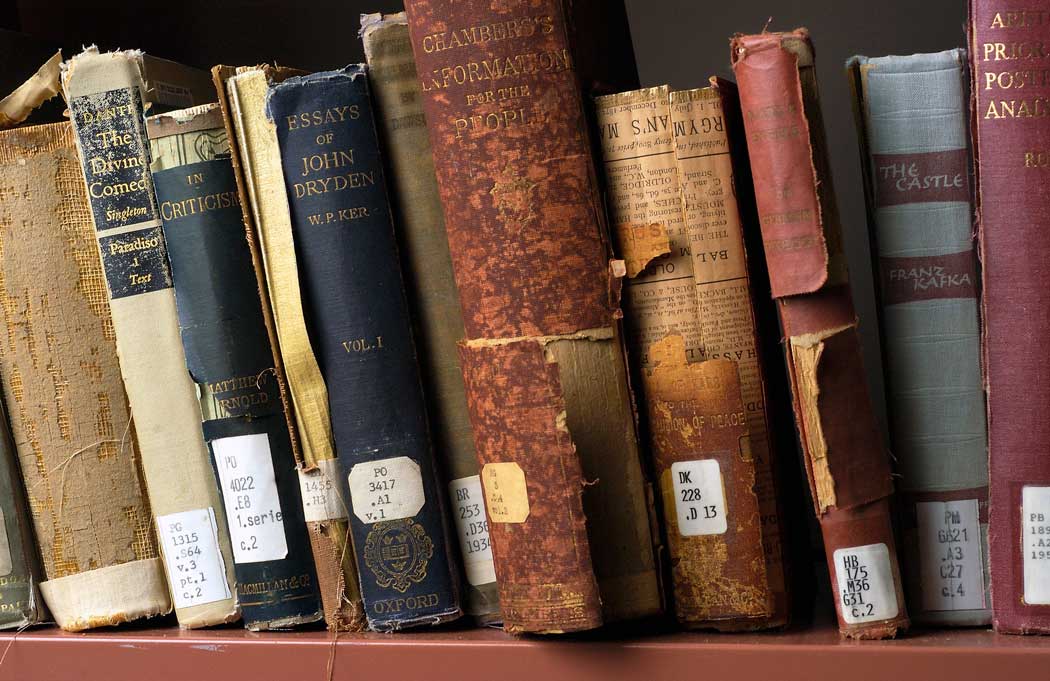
249 492
6 562
866 590
699 498
387 489
323 496
191 553
1035 544
472 525
506 494
950 555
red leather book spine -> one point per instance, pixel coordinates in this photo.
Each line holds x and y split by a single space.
1010 54
845 458
545 379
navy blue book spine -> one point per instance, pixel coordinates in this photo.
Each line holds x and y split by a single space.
359 324
228 354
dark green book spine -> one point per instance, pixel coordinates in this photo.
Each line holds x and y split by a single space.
228 354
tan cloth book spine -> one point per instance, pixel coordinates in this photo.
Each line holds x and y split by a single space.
432 293
260 181
106 93
61 379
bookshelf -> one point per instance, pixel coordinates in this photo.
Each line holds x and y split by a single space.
131 654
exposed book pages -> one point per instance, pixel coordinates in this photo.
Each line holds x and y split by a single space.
912 115
268 228
229 357
669 178
542 357
432 294
846 462
355 308
1011 138
106 93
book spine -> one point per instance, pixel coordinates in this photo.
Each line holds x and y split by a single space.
104 93
711 158
70 419
267 222
542 357
20 570
432 294
846 462
356 308
703 463
913 124
1011 136
229 357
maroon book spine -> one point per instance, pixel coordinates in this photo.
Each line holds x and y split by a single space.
1010 56
542 363
844 454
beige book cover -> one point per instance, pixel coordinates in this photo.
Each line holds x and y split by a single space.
107 95
268 225
70 419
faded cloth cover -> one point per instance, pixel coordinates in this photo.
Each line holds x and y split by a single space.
357 315
1012 139
694 355
229 357
912 116
543 361
432 294
106 95
267 223
61 380
846 461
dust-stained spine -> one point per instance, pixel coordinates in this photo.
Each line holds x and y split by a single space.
542 357
69 415
1011 133
698 425
912 119
356 310
267 227
230 359
432 293
846 461
105 94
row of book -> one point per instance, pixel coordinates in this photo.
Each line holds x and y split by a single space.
368 323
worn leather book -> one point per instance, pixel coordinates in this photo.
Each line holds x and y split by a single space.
356 311
1011 138
670 180
912 116
61 381
432 294
542 357
229 357
845 459
266 215
737 320
106 93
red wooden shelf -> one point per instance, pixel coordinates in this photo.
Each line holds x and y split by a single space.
231 654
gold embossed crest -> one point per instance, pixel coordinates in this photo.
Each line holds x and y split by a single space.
513 195
397 552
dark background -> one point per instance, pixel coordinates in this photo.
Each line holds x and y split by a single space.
680 42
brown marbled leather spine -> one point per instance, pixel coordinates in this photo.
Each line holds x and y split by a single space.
845 457
546 382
